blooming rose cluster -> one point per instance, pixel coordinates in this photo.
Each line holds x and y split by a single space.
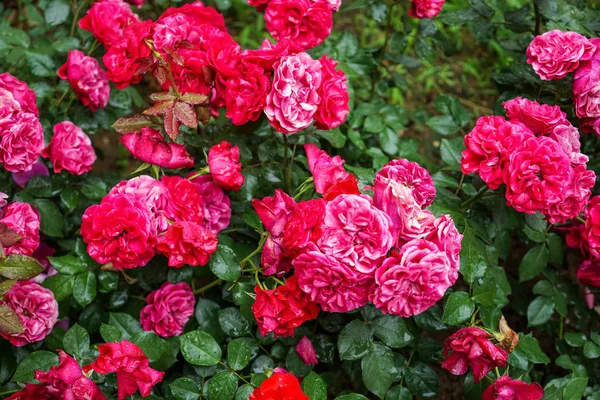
21 133
348 249
536 154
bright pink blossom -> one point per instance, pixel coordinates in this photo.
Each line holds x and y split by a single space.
168 309
19 92
217 205
225 166
411 175
21 142
576 196
70 149
246 94
506 388
589 272
472 347
425 8
445 235
586 86
269 54
36 308
131 365
88 80
184 203
8 106
555 53
187 243
540 118
411 281
591 230
333 92
538 175
149 146
107 19
305 22
306 351
120 230
24 219
568 137
488 147
330 177
294 97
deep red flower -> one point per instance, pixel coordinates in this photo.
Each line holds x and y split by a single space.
107 19
268 54
302 225
187 243
131 365
281 386
184 202
246 94
506 388
225 166
283 309
589 272
472 347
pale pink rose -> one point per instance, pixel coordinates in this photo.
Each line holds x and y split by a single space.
294 99
8 106
330 177
149 146
586 86
335 286
107 19
87 78
425 8
411 281
20 92
217 206
168 309
568 137
445 235
70 149
36 308
21 178
555 53
411 175
333 107
21 142
306 351
24 219
355 232
540 118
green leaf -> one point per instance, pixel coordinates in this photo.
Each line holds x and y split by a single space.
450 150
575 339
334 137
207 315
52 219
239 353
69 264
355 340
40 65
458 308
233 323
13 36
482 8
84 288
225 264
295 364
351 396
591 350
473 262
530 348
66 44
151 344
110 333
36 361
399 392
5 286
199 348
185 389
534 262
424 50
314 387
94 188
378 369
61 286
9 321
443 124
575 389
244 392
222 386
70 198
128 325
56 12
556 249
422 381
20 267
392 331
76 341
540 311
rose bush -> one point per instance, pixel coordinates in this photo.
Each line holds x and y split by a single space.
299 199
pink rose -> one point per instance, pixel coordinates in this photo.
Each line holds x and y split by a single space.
355 232
488 147
445 235
409 282
124 60
184 203
591 230
119 230
333 108
590 125
568 137
273 260
425 8
537 175
8 106
87 78
335 286
168 309
333 4
149 146
305 22
37 310
540 118
554 54
330 177
187 243
506 388
269 54
246 94
21 178
217 206
589 272
589 298
107 19
586 89
225 166
24 219
20 93
223 56
70 149
294 97
306 351
259 4
21 142
411 175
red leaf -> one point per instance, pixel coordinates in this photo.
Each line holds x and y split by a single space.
8 237
160 74
171 124
194 98
162 96
159 108
131 123
185 114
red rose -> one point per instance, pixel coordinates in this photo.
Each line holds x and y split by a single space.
88 80
225 166
184 202
283 309
280 386
303 225
246 94
268 54
149 146
107 19
333 108
506 388
187 243
331 179
472 347
131 365
589 272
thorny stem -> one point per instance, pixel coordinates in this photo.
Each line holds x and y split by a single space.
93 48
497 373
289 174
474 198
581 220
62 97
209 286
9 392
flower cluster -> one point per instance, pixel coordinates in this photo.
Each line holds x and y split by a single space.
536 154
339 245
21 134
